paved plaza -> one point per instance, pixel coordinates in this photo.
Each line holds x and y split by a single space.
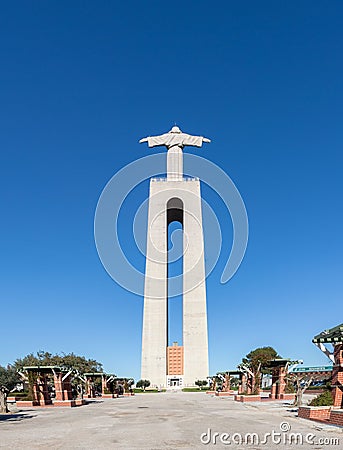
160 421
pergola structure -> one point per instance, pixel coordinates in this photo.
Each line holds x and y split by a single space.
108 384
279 368
39 378
333 336
329 414
90 379
111 385
246 379
52 386
226 378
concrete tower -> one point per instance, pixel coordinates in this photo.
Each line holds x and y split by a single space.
174 198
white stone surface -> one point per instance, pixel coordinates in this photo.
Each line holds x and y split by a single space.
175 140
154 340
164 194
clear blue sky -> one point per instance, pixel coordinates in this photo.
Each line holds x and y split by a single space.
82 81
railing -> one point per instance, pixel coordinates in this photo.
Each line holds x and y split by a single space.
170 179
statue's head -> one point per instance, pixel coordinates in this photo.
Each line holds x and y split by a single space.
175 129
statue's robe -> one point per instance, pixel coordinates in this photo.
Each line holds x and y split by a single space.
175 139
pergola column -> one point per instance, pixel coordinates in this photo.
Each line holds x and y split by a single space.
242 383
281 382
67 389
273 391
103 384
36 391
227 385
250 381
58 386
337 376
90 389
41 391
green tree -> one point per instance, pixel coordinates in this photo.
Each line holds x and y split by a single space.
234 383
143 384
8 379
301 381
256 361
70 360
201 383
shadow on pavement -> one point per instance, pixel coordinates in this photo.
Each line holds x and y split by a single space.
13 417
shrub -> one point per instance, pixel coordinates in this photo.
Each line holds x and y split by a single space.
193 389
148 391
18 394
323 399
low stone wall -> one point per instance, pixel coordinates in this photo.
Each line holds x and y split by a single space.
247 398
336 417
314 412
225 394
286 397
28 403
70 403
56 403
325 414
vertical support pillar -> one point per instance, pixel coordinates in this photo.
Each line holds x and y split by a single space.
36 400
103 384
46 395
243 384
58 386
89 388
67 389
273 390
227 385
41 391
154 339
249 384
337 376
281 381
195 340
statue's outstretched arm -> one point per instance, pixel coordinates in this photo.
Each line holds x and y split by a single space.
206 140
143 140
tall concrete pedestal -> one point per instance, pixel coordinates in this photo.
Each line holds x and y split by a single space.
174 198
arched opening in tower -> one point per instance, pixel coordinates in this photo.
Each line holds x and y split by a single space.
175 271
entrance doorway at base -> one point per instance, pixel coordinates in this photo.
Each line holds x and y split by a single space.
174 382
